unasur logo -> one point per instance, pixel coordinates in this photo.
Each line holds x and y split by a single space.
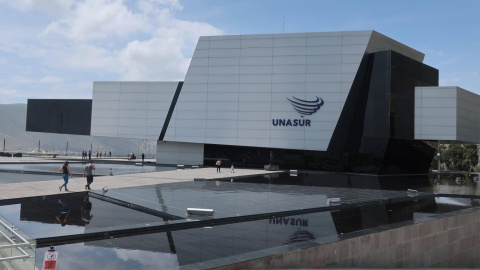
303 107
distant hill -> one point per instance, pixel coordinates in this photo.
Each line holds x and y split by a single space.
12 129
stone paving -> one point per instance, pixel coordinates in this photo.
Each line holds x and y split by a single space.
76 184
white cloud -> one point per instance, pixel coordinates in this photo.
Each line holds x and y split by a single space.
149 260
159 57
26 80
21 80
50 79
97 19
450 81
456 79
8 92
94 40
154 6
429 51
155 59
50 6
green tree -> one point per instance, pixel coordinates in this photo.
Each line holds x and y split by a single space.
460 157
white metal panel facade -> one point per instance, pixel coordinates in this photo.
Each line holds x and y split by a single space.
247 80
447 113
237 86
179 153
131 109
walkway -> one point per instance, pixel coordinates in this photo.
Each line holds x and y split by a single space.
76 184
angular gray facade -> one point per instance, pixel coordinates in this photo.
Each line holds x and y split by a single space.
342 101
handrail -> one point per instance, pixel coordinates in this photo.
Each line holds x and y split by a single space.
15 258
18 246
14 232
25 254
15 245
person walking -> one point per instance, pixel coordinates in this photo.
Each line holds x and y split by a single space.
143 157
66 172
232 169
88 172
218 164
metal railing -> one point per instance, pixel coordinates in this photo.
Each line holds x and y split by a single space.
18 246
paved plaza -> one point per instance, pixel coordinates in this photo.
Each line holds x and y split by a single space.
77 184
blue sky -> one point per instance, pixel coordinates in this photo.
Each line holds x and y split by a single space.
57 48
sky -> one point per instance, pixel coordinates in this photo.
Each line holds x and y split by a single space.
57 48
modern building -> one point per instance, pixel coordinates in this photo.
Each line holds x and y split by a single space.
341 101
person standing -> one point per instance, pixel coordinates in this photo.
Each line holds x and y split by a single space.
218 164
111 172
88 172
100 154
109 153
89 154
232 169
143 157
66 172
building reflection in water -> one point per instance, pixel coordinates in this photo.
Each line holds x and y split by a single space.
182 247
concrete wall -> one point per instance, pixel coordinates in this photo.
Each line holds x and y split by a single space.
179 153
449 242
447 113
